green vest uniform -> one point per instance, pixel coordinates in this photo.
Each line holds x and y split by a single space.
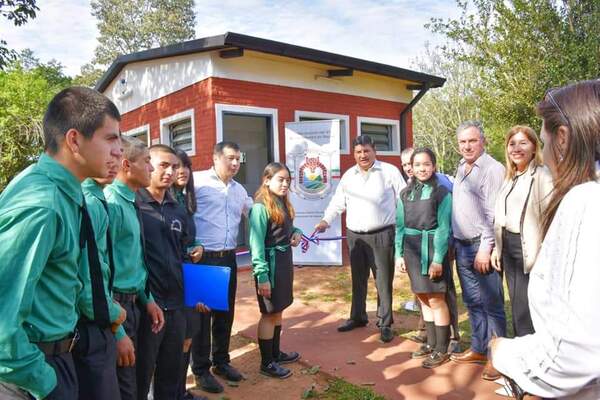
94 197
40 218
124 227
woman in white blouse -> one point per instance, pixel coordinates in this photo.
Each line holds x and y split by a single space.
518 214
562 358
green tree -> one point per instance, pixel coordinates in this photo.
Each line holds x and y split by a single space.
441 110
24 95
18 12
127 27
136 25
522 48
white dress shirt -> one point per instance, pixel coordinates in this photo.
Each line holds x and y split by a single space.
369 198
219 210
562 358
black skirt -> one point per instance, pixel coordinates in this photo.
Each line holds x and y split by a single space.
282 295
420 283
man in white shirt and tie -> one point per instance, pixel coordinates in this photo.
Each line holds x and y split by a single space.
368 192
221 201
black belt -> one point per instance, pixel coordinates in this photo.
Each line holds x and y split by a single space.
218 254
468 242
373 231
125 297
57 347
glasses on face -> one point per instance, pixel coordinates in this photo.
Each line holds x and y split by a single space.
552 100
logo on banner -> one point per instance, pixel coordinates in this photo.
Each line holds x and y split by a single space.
312 180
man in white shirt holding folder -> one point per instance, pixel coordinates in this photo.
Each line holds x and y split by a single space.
221 201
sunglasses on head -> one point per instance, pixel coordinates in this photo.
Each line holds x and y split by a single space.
550 97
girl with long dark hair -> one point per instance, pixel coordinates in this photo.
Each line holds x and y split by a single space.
271 234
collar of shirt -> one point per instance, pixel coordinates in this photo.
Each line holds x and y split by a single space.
215 177
123 190
375 167
91 187
64 179
146 197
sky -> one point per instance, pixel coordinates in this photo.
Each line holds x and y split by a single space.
391 32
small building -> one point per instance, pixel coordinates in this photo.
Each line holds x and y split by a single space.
241 88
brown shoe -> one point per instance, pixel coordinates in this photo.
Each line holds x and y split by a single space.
490 373
468 357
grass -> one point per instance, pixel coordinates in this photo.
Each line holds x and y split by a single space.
339 389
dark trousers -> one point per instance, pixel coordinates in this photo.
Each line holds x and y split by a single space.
517 281
95 357
216 324
66 382
67 387
484 297
126 375
159 355
372 252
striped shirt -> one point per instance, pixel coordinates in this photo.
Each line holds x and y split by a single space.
473 200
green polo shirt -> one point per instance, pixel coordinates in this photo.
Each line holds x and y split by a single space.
124 228
94 197
40 218
442 232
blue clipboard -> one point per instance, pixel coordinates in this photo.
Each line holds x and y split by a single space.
206 284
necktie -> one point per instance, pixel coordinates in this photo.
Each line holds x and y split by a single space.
143 240
111 261
87 239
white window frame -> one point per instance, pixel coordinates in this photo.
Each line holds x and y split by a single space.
249 110
312 114
165 133
394 123
135 131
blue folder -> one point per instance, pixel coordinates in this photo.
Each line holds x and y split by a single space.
207 284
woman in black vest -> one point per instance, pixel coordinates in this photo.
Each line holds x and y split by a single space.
271 234
423 222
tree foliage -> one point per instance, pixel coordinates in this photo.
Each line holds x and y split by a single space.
441 110
26 88
130 26
17 12
521 48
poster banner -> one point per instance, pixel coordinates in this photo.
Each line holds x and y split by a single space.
312 150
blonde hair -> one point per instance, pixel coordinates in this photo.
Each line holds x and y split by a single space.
270 200
511 168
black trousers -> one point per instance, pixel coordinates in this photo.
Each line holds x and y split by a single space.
159 355
95 357
216 324
126 375
372 252
517 281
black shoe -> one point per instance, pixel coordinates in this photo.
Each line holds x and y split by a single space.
387 335
351 324
423 352
286 358
273 370
435 359
190 396
228 372
208 383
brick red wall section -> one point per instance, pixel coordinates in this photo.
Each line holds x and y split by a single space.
203 96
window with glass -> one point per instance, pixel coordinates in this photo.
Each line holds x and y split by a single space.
381 134
180 135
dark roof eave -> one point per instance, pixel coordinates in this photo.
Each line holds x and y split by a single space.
231 39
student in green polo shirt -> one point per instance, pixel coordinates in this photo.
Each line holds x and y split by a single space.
40 237
130 270
95 354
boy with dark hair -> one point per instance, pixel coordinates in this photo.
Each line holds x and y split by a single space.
129 259
44 226
166 238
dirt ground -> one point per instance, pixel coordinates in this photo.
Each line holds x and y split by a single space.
322 301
